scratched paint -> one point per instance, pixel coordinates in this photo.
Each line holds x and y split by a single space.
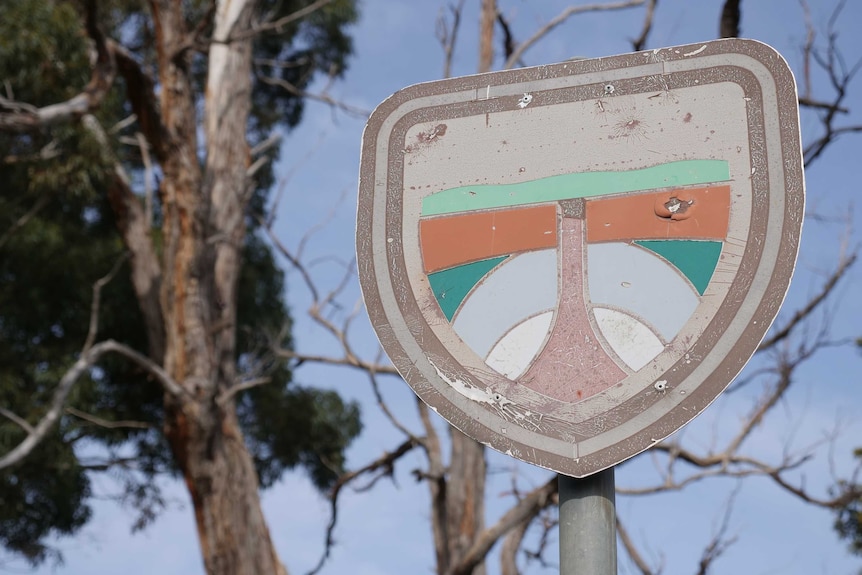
642 284
457 239
515 351
573 365
673 158
633 341
499 302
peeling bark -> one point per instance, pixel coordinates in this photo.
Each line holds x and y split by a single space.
203 231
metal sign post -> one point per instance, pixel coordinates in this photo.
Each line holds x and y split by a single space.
570 262
588 532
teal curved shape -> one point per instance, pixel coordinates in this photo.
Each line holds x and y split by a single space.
451 286
696 259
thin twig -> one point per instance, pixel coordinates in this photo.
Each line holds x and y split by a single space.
560 19
802 313
97 299
107 424
384 465
639 43
85 362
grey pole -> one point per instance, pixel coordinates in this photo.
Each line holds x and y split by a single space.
588 531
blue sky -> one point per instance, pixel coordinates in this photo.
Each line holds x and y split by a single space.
387 531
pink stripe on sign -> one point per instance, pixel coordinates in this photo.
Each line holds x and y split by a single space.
573 365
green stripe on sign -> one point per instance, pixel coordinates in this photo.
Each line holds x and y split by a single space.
571 186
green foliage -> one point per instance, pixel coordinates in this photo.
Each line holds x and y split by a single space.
53 182
848 522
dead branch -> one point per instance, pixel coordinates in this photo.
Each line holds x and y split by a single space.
132 220
97 299
323 97
381 403
632 551
447 35
383 466
22 117
487 19
547 523
88 359
784 331
728 26
141 94
276 25
22 221
508 40
720 541
831 61
48 152
511 545
525 509
107 424
436 476
560 19
227 394
639 43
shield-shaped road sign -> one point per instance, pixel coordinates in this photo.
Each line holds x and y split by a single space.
570 262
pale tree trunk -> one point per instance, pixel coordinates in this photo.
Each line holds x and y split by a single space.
203 231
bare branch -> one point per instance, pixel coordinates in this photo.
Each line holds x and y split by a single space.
22 221
140 91
728 26
447 35
123 424
381 403
97 298
242 386
22 117
48 152
632 550
526 508
560 19
830 61
84 363
802 313
720 542
436 485
487 19
639 43
279 24
132 220
511 546
148 178
323 97
383 466
19 421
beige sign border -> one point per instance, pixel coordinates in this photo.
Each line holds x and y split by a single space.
570 439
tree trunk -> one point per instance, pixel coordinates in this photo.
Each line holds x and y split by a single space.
465 498
203 231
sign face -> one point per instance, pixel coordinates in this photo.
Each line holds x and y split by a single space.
570 262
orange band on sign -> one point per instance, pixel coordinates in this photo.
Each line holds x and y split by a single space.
454 240
700 213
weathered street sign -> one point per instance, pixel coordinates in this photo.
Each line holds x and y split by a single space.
570 262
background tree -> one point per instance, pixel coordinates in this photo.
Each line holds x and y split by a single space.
138 300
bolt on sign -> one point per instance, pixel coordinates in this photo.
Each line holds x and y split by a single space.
570 262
